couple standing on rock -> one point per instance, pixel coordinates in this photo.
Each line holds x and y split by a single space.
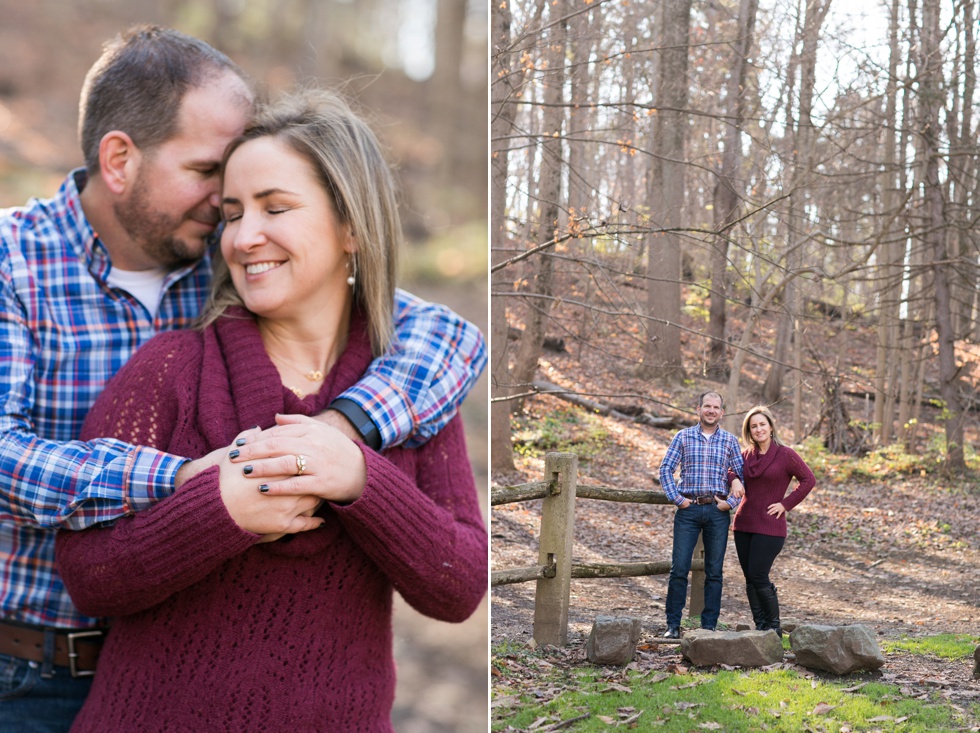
717 479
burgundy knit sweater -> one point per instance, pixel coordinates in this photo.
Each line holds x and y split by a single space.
214 632
767 477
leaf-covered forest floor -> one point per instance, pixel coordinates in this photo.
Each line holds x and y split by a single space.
895 546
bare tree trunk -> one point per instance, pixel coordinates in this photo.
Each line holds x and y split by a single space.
549 201
445 85
890 269
772 388
930 90
961 177
729 190
909 344
662 355
502 111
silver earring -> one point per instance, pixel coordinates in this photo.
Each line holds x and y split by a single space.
351 270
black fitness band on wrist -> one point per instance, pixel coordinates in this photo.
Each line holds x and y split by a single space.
361 421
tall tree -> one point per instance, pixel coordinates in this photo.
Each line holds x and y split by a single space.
662 355
930 100
540 282
891 250
501 124
729 188
800 175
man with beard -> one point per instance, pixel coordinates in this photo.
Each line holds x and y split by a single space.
705 453
120 253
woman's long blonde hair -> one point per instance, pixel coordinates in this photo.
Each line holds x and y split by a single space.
347 158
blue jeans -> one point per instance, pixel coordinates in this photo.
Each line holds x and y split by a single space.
30 703
712 524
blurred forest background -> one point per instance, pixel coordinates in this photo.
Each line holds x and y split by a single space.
418 68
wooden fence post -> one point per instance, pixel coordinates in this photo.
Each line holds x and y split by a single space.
696 605
555 551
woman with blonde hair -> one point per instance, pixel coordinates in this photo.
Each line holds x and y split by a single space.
760 523
222 622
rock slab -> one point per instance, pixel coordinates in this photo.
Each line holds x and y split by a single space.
613 640
735 648
836 649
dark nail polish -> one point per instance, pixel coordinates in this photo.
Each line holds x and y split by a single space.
247 470
264 488
240 442
234 453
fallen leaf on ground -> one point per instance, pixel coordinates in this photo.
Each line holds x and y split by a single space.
822 708
632 719
617 688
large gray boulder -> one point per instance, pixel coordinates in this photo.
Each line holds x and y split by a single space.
738 649
613 640
836 649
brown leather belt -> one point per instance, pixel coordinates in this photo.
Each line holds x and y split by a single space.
702 499
78 650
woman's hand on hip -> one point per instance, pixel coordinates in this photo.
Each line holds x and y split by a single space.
776 510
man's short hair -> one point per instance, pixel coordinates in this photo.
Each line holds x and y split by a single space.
138 83
710 392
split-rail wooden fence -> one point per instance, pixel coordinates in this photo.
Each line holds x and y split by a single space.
555 569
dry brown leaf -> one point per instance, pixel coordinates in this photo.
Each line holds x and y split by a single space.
613 687
505 701
633 718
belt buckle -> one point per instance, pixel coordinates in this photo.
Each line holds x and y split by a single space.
73 655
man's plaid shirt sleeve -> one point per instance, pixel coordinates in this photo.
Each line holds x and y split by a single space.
672 459
414 389
735 463
51 483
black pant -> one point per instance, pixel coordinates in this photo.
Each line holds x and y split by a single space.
756 554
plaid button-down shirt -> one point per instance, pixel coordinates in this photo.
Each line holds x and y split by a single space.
64 332
704 461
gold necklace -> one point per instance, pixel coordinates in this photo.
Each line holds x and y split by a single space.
313 375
